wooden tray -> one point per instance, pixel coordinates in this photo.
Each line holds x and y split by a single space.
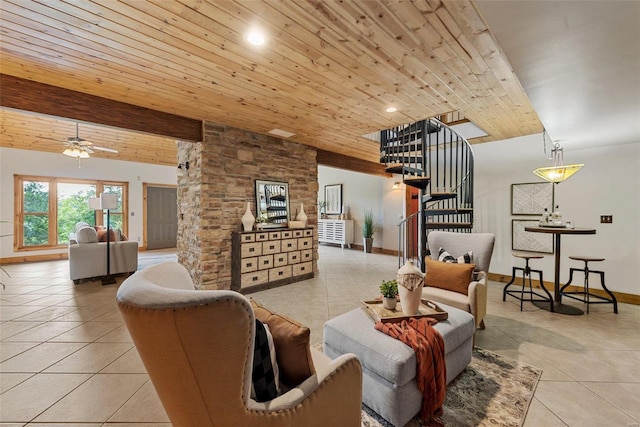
377 312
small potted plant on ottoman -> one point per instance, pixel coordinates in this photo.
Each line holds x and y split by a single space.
389 290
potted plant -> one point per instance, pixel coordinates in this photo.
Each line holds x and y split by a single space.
322 205
261 221
389 290
369 227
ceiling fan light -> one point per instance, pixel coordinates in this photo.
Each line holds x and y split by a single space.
76 152
71 152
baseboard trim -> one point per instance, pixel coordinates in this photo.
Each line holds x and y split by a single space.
374 250
620 296
34 258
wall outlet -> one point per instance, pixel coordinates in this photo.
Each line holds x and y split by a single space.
138 238
606 219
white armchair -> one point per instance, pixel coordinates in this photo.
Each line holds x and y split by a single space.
457 244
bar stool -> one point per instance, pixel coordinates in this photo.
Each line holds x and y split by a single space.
526 273
584 293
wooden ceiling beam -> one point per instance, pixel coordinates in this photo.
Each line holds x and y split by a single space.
28 95
334 160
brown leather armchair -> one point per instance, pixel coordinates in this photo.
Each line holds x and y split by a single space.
197 347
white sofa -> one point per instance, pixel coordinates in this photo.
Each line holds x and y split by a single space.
88 256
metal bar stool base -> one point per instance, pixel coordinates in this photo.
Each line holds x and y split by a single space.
585 296
528 295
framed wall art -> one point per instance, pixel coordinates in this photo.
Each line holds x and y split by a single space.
531 198
333 197
526 241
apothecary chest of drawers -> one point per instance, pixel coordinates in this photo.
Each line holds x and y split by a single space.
271 257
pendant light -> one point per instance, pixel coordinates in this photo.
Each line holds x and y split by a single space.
558 171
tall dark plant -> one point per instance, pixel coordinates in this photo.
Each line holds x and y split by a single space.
369 227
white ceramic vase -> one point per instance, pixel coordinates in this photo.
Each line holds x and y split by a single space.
410 300
301 215
248 219
410 282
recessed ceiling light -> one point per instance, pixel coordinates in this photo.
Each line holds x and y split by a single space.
282 133
391 110
256 37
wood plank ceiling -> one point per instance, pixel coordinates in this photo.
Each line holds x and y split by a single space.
327 73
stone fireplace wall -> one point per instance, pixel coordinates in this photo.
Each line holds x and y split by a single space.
213 194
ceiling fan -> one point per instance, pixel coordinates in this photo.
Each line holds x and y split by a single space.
81 148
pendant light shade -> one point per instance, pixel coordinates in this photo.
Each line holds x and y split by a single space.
558 171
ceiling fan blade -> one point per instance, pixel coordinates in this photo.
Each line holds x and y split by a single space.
108 150
87 149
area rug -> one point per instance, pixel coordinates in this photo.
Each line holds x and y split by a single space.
492 391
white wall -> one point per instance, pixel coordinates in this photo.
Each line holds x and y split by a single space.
361 192
27 162
609 183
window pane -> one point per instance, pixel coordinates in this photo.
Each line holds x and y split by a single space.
115 221
36 196
73 207
36 230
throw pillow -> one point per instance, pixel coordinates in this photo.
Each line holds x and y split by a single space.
80 225
113 235
450 276
445 256
264 377
291 341
86 234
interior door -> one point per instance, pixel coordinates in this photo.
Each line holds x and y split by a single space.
162 217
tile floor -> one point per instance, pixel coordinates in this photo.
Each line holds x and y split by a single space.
67 359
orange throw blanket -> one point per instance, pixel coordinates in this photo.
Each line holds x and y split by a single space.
431 373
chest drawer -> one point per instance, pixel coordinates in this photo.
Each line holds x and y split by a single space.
265 261
293 257
289 245
303 268
280 273
275 235
270 247
251 249
254 278
306 255
280 259
305 243
248 264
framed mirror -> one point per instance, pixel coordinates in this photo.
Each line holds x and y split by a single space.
272 203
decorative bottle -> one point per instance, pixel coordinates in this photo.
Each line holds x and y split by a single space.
301 215
248 219
556 216
545 217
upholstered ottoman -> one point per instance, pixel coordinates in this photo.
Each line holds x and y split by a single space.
389 366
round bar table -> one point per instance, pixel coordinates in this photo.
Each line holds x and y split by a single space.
559 231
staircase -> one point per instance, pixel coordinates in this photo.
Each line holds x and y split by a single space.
437 161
